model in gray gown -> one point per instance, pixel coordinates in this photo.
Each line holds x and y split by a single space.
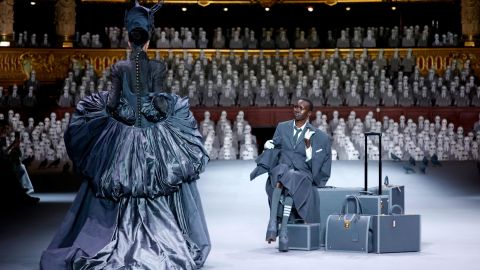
139 152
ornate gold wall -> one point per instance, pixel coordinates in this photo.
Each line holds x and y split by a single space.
52 65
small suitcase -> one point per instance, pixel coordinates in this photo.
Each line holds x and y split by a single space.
396 233
349 232
374 204
396 194
304 236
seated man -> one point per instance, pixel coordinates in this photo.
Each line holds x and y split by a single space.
353 99
262 99
476 126
280 98
371 100
298 160
444 100
334 100
475 99
405 100
343 41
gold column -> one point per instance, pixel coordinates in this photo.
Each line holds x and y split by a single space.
65 21
6 22
470 21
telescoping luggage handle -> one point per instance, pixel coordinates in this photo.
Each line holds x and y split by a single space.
379 134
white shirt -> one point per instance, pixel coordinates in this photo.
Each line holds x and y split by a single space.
308 151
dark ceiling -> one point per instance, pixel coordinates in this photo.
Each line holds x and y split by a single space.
93 17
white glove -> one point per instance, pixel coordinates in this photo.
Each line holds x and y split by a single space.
269 145
308 134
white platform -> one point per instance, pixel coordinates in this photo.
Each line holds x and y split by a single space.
448 198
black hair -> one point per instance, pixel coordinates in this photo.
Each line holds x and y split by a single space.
138 36
310 103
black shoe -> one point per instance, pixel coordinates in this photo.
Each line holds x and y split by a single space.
283 242
29 200
271 232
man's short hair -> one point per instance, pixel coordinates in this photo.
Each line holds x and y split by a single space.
310 103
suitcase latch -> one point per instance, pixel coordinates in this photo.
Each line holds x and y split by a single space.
346 224
394 224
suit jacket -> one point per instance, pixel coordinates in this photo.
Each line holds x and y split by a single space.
293 153
286 164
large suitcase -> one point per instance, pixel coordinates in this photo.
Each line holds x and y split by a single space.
349 232
396 233
303 236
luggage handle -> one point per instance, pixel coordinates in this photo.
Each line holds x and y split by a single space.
379 134
390 212
358 206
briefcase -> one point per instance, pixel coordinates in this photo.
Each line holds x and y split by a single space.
349 232
303 236
331 201
396 232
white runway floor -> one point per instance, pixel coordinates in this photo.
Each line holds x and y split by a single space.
237 216
448 198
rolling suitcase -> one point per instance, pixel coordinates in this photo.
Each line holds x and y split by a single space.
373 204
396 232
349 232
396 194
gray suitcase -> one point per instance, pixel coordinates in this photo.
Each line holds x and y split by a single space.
396 233
331 201
373 204
332 198
303 236
396 194
349 232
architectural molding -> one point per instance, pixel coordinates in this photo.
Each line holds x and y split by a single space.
52 65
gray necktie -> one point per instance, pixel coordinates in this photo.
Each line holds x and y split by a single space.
297 133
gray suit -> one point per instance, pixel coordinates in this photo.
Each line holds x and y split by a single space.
286 164
443 101
476 101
